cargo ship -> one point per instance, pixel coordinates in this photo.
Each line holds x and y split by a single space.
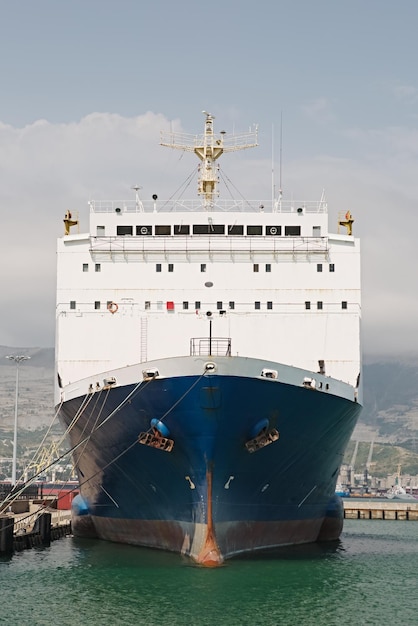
208 364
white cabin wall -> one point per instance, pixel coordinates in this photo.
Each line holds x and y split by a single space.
92 340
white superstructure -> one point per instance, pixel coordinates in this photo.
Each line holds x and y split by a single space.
149 278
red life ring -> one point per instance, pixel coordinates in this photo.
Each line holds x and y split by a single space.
112 307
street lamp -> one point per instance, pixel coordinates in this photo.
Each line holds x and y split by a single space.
18 360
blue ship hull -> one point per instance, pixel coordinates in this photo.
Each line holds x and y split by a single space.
219 491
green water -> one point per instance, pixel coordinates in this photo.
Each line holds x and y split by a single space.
369 577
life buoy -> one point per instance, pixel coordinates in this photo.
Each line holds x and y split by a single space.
112 307
348 216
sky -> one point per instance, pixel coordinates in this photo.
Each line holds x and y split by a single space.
87 85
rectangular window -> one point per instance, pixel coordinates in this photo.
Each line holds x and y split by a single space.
273 231
100 231
158 267
181 229
344 304
97 305
124 230
144 230
203 267
85 267
292 231
268 267
159 305
147 305
319 267
231 304
208 229
170 267
331 267
307 305
254 230
269 305
235 229
257 305
170 306
219 305
319 305
72 304
185 305
316 231
97 267
197 305
163 230
255 267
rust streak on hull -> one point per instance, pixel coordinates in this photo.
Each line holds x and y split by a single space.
210 554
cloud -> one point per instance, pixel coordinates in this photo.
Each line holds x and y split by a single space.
48 168
319 110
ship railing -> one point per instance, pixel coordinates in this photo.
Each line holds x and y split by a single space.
210 346
210 244
221 205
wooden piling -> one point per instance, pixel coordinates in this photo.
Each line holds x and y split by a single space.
6 534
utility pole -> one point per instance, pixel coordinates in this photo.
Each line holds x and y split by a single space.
18 360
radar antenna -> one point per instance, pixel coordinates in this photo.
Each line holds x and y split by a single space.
209 147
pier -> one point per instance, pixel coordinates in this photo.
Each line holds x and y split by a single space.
23 531
405 510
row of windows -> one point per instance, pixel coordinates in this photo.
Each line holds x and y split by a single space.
203 267
198 305
209 229
97 267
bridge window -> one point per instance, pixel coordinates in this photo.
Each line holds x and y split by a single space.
97 305
292 231
319 305
254 230
331 267
197 305
268 267
255 267
163 230
269 305
257 305
158 267
170 267
124 230
344 304
144 230
319 267
208 229
219 305
181 229
85 267
97 267
203 267
307 305
231 305
72 304
235 229
185 305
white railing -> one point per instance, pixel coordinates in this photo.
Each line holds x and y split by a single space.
168 206
209 244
